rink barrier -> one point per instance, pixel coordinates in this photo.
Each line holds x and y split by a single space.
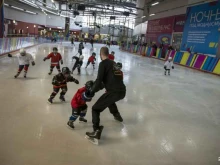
12 44
194 61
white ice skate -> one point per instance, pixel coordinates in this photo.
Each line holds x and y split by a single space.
92 140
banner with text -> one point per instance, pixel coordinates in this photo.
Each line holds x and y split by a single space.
201 28
160 30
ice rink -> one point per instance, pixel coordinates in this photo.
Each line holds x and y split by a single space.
168 120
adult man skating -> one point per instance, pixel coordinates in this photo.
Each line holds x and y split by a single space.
111 76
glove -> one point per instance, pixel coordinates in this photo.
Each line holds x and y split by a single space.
33 63
76 81
9 55
45 59
172 67
61 62
165 67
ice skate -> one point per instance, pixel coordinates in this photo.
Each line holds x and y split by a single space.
94 136
50 73
165 73
70 124
62 99
82 120
50 101
16 76
25 76
118 117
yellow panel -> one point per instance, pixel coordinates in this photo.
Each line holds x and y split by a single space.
184 58
146 50
158 51
212 44
217 68
193 59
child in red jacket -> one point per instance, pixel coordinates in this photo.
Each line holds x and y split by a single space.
112 56
92 60
78 103
55 59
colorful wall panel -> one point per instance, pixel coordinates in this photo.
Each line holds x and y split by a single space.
185 58
199 61
217 68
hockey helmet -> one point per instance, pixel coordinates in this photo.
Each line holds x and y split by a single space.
89 84
113 53
55 49
119 65
93 54
65 70
22 51
170 58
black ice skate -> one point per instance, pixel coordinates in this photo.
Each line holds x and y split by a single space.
16 76
94 137
83 120
70 124
118 117
50 101
165 73
50 73
62 99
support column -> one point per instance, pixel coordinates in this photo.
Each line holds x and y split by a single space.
1 18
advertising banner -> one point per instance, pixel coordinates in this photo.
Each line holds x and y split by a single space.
179 23
1 18
160 30
201 28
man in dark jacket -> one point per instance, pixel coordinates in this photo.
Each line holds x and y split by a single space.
112 77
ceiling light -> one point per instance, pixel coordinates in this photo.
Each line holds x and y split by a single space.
29 3
143 16
27 27
52 1
152 14
14 21
59 27
6 4
30 12
17 8
34 25
154 3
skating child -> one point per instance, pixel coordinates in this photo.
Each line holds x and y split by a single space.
92 60
60 82
56 59
112 56
81 47
78 63
24 60
168 65
78 103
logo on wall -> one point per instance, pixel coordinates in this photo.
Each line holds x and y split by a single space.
164 39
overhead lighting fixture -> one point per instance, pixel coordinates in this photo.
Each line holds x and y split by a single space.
143 16
29 3
52 1
154 3
152 14
27 27
27 11
14 21
59 27
17 8
6 4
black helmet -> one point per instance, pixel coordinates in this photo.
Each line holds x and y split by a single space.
112 52
55 49
118 66
65 70
94 54
89 84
